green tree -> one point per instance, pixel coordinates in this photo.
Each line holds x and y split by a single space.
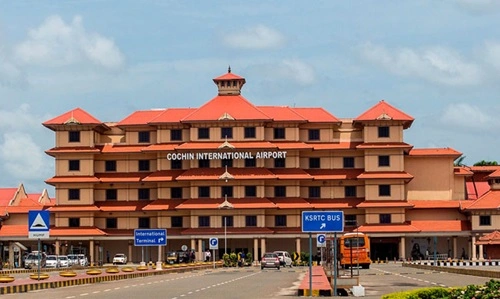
459 161
486 163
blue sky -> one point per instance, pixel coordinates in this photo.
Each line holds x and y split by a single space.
438 61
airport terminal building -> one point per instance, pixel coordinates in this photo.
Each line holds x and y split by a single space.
244 173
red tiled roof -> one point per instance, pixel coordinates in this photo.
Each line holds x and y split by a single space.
121 206
290 173
316 115
385 175
435 204
291 203
121 177
495 174
441 225
73 208
215 173
447 151
385 145
215 145
388 228
72 179
462 171
7 194
476 189
9 230
172 115
238 203
490 200
489 239
228 76
334 145
337 203
384 204
160 147
292 145
235 106
381 111
122 148
75 231
281 113
287 230
163 175
142 117
163 204
489 168
77 115
334 174
74 150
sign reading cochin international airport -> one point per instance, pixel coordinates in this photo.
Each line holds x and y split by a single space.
227 155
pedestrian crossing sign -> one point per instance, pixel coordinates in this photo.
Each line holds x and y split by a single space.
38 224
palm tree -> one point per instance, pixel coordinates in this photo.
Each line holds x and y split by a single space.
486 163
459 161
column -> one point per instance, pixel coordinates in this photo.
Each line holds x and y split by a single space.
201 256
130 246
481 252
255 250
91 252
473 245
297 245
57 245
455 253
402 248
263 245
193 245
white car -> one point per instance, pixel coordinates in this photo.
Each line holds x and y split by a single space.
285 258
63 261
119 258
52 261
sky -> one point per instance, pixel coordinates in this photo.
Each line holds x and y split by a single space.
438 61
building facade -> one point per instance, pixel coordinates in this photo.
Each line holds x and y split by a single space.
244 173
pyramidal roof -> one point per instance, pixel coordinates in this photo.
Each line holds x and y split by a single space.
77 116
384 111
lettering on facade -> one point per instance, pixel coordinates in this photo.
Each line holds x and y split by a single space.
227 155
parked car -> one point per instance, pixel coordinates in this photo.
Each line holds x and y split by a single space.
31 260
285 258
63 261
270 260
52 261
84 262
119 258
73 260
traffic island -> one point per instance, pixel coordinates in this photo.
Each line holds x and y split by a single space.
319 286
6 279
68 273
40 276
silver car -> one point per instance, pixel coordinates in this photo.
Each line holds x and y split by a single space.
285 258
52 262
63 261
270 260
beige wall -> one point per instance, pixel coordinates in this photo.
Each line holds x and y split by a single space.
433 178
396 160
373 215
372 190
495 221
395 133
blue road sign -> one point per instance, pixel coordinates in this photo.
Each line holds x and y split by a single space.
321 240
38 224
150 237
214 243
322 221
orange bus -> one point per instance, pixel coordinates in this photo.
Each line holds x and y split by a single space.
354 250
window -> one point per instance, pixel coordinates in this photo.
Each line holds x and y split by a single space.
383 161
74 194
314 191
227 162
227 191
350 220
226 133
279 133
383 132
250 162
385 218
74 165
74 222
350 191
384 190
203 133
111 223
485 220
279 163
314 162
279 191
110 165
204 191
176 164
203 221
74 136
250 132
143 165
176 221
280 220
111 194
250 191
227 221
314 134
203 163
143 222
251 220
176 192
176 135
348 162
144 137
143 193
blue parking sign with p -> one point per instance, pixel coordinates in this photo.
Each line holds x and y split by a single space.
214 243
321 240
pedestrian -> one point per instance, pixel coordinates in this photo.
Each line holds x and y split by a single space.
207 255
107 256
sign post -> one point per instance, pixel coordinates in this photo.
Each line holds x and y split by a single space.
321 222
214 245
38 228
150 237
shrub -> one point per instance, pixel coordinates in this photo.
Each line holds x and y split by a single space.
490 290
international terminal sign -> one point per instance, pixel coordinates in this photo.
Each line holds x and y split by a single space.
227 155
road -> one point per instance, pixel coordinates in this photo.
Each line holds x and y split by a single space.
246 283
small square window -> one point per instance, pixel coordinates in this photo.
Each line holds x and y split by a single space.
350 220
203 133
143 165
74 222
348 162
314 134
111 223
228 221
280 220
279 191
176 221
383 132
204 191
203 163
203 221
227 162
279 163
384 161
110 165
73 194
226 133
314 163
250 191
111 194
74 165
314 192
144 222
144 193
279 133
144 137
250 132
176 135
385 218
250 162
485 220
74 136
176 192
350 191
384 190
175 164
227 191
251 220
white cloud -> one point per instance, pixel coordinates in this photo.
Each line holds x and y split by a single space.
21 119
492 54
55 43
479 6
463 115
258 37
437 64
299 71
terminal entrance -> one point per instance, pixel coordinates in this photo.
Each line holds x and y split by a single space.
384 248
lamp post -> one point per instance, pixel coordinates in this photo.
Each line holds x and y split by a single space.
226 205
